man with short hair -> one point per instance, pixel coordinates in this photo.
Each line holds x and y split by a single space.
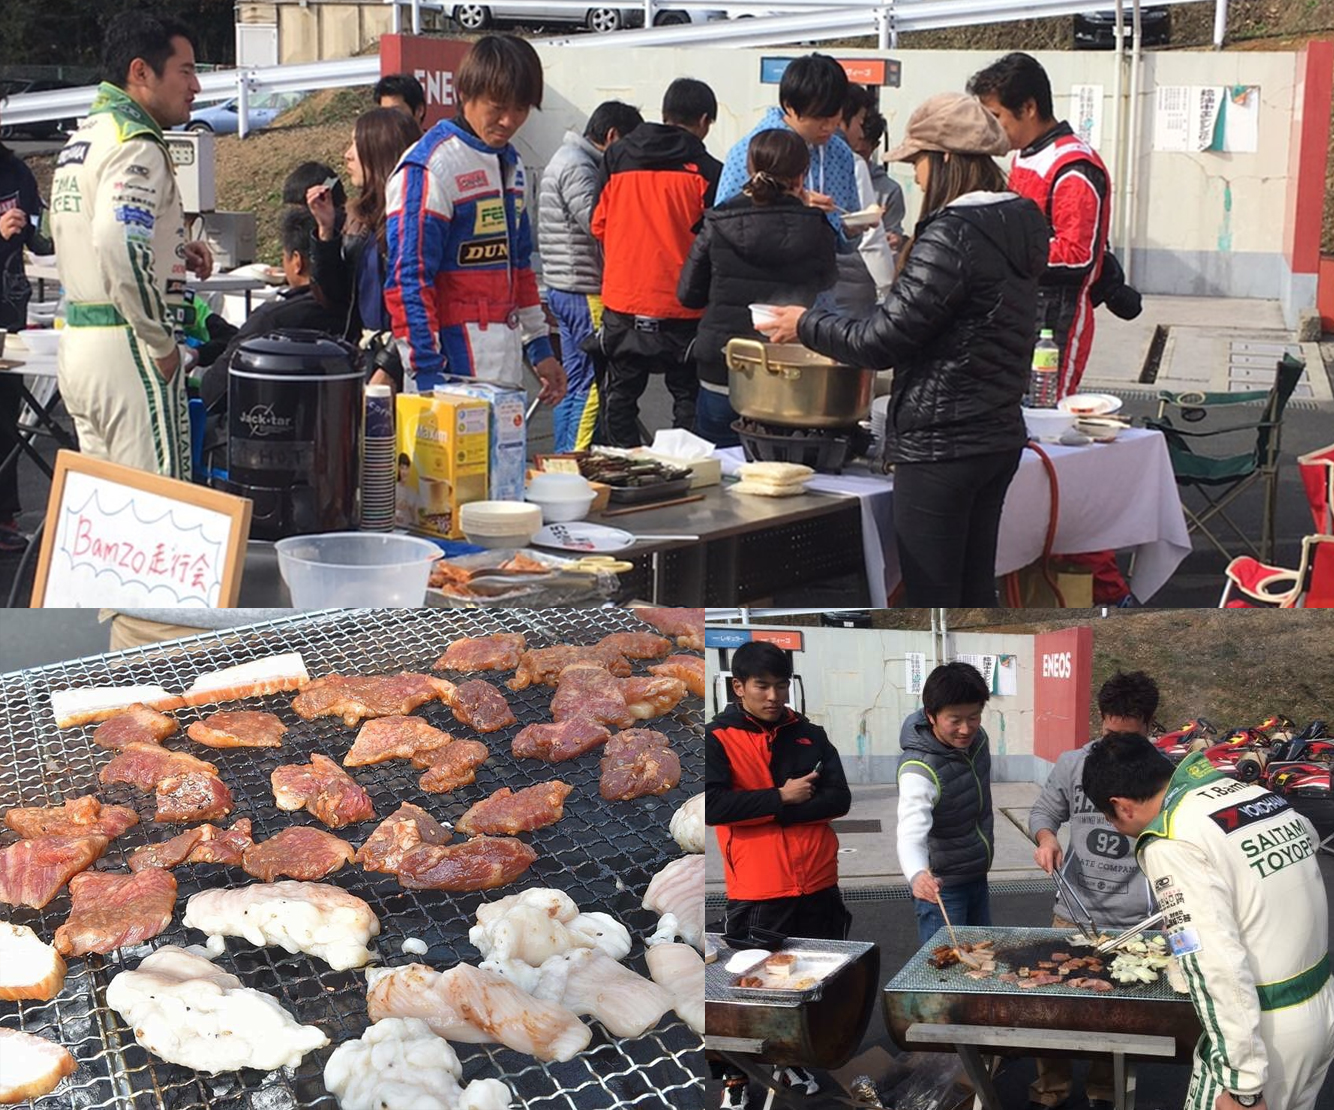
944 817
572 260
120 242
655 185
1099 866
780 856
460 286
1234 869
404 92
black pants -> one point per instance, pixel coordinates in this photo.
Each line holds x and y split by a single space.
821 915
636 348
946 519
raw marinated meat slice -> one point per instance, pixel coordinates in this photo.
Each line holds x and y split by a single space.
324 789
135 722
31 871
687 625
677 892
203 844
477 864
636 763
651 697
108 911
473 1006
688 668
454 766
29 969
193 796
533 807
560 741
394 738
542 666
499 652
480 706
298 852
637 645
33 1066
398 834
85 816
238 728
146 765
353 697
589 691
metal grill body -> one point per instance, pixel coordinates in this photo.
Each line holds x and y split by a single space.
922 993
602 854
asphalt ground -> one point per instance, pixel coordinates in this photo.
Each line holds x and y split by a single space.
890 924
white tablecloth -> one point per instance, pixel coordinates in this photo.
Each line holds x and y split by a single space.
1112 496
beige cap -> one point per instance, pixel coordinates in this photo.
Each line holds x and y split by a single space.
951 121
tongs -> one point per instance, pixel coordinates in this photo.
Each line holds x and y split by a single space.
1130 934
494 581
1078 911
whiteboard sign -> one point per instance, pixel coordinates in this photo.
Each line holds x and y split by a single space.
116 537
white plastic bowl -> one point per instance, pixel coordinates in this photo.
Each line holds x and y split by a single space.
355 569
40 341
500 523
561 497
1046 425
763 314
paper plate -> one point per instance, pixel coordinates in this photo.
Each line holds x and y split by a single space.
582 536
1089 404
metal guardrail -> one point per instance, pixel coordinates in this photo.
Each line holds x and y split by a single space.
807 21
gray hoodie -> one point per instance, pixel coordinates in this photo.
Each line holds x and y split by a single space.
571 257
1099 861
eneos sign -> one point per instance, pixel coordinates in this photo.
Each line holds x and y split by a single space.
434 62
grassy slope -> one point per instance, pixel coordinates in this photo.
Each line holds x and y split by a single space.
1234 668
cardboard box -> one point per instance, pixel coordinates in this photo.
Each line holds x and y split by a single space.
444 439
508 433
703 472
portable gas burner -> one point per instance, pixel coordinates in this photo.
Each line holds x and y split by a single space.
822 449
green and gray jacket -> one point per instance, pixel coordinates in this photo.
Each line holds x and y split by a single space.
117 223
959 844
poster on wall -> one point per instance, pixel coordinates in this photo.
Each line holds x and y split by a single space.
1007 676
1193 118
1086 113
986 666
915 666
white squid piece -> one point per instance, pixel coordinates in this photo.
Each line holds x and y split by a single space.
677 891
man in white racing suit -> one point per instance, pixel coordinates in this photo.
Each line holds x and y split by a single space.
120 245
1234 868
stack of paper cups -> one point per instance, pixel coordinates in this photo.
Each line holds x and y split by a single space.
379 469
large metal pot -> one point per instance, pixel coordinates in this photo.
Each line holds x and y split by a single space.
785 383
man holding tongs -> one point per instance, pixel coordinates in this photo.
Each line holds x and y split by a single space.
1098 884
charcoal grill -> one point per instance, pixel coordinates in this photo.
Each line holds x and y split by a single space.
927 1009
602 854
820 1027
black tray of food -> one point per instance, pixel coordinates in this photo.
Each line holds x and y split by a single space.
659 491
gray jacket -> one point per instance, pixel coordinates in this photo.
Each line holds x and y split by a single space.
855 292
571 257
1100 862
962 834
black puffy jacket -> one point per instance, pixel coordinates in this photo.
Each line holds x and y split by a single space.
957 328
748 253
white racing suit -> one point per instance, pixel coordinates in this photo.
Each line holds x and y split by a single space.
120 244
1234 868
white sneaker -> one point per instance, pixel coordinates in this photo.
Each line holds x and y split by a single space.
797 1079
736 1095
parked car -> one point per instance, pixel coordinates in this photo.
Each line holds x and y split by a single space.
42 129
222 119
476 17
1097 30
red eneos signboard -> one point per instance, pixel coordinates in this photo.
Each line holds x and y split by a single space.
433 62
1062 671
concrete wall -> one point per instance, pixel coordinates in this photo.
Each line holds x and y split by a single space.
1205 224
856 689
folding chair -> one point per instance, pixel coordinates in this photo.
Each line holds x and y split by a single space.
1317 473
1219 480
1252 584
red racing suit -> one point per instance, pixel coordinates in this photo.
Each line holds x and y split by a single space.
460 287
1064 176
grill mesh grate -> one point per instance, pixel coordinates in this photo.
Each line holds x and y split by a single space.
918 975
602 854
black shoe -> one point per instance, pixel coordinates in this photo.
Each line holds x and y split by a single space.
1100 1104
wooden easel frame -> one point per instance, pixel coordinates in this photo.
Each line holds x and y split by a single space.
237 509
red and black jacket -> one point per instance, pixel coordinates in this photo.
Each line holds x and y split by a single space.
656 184
771 849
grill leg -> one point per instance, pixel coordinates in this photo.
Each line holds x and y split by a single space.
1123 1082
979 1075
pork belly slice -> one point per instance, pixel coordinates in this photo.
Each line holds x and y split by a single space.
33 1066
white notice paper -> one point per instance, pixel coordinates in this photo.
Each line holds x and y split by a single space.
1086 113
915 666
1186 116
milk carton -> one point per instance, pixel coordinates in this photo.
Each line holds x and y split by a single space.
508 433
442 460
